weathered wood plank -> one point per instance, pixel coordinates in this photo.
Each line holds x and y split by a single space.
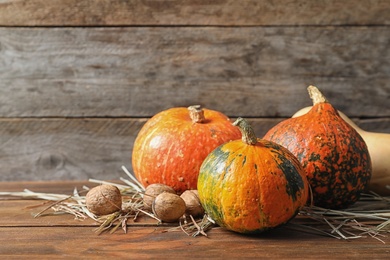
58 236
67 149
136 72
17 213
58 187
79 149
189 12
152 243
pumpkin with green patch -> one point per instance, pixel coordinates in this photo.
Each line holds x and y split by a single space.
333 153
251 185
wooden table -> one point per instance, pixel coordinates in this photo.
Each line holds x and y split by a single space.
64 237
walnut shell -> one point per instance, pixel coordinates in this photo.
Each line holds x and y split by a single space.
168 207
193 205
152 191
104 199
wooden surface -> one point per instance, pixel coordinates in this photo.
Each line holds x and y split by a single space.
64 237
136 72
79 78
189 12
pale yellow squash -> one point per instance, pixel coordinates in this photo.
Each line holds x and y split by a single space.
379 148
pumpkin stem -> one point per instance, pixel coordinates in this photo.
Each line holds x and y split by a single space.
248 135
196 114
316 95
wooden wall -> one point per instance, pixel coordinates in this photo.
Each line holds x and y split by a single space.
78 79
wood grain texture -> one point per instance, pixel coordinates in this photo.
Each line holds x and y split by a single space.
79 149
79 78
20 213
189 12
151 243
58 187
66 149
61 237
137 72
69 149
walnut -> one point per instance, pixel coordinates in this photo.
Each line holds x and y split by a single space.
193 205
152 191
168 207
104 199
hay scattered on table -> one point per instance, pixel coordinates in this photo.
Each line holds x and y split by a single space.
369 217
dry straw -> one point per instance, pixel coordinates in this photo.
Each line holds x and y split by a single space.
369 217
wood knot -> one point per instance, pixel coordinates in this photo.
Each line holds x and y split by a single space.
50 161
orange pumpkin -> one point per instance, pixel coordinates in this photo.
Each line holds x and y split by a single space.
378 145
172 145
332 152
251 185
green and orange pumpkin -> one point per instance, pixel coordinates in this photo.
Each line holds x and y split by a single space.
171 146
333 153
251 185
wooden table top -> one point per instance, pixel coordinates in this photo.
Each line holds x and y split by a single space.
22 235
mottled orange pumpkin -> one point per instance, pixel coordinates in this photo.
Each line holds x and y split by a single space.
334 155
251 185
172 145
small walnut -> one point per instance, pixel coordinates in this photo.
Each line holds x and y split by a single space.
152 191
168 207
104 199
193 205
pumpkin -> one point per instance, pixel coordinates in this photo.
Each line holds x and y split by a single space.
172 145
333 153
379 148
251 185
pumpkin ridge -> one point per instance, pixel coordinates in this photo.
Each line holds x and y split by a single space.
165 163
249 185
259 166
232 156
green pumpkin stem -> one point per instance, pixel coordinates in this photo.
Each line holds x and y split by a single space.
196 114
248 135
316 95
